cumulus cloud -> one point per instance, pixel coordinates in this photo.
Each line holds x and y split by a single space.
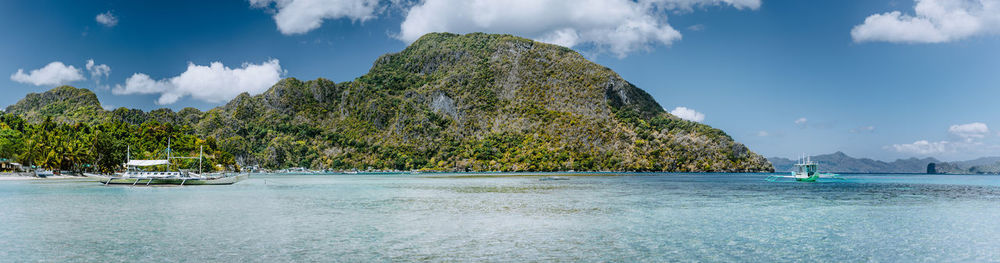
969 131
617 26
301 16
688 114
934 21
923 147
107 19
53 74
98 70
213 83
966 138
801 121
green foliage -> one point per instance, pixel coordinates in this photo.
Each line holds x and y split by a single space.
62 104
102 147
10 142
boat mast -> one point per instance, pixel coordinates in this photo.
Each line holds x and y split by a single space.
168 154
201 150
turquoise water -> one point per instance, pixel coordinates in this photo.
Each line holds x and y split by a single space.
673 217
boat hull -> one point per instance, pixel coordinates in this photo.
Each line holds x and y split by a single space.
808 179
170 181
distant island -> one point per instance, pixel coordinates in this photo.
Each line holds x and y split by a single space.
984 165
839 162
448 102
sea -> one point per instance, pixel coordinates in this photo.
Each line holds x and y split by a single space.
599 217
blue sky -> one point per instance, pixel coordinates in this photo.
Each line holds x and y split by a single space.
882 79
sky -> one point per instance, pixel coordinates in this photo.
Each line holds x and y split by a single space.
881 79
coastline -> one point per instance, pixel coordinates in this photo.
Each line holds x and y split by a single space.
30 176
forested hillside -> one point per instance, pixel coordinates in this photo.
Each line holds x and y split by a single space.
477 102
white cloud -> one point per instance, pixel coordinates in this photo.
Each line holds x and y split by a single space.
697 27
863 129
616 26
763 134
301 16
98 71
968 131
213 83
968 140
934 21
688 114
53 74
801 121
140 83
923 147
107 19
689 5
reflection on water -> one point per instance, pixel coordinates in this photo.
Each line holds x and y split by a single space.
714 217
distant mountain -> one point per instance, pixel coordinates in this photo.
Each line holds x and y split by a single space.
839 162
479 102
978 162
985 165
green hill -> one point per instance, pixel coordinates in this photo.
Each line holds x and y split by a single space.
62 104
476 102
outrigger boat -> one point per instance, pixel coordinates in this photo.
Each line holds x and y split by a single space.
805 171
135 175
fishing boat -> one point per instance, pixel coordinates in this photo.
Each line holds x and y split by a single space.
805 171
42 173
136 173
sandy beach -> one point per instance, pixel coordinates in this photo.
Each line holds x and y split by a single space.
30 176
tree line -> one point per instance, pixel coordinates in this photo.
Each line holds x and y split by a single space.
103 147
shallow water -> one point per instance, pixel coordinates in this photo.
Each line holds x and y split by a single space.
669 217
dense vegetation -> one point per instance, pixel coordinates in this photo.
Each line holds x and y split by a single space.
103 147
447 102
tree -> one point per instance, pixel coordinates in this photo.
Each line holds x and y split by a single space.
10 142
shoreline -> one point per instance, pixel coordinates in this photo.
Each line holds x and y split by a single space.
30 176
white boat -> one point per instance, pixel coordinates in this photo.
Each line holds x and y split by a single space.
805 171
136 173
43 173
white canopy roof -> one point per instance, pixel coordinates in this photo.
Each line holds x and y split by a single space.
147 162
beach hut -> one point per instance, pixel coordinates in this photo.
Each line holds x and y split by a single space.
6 165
